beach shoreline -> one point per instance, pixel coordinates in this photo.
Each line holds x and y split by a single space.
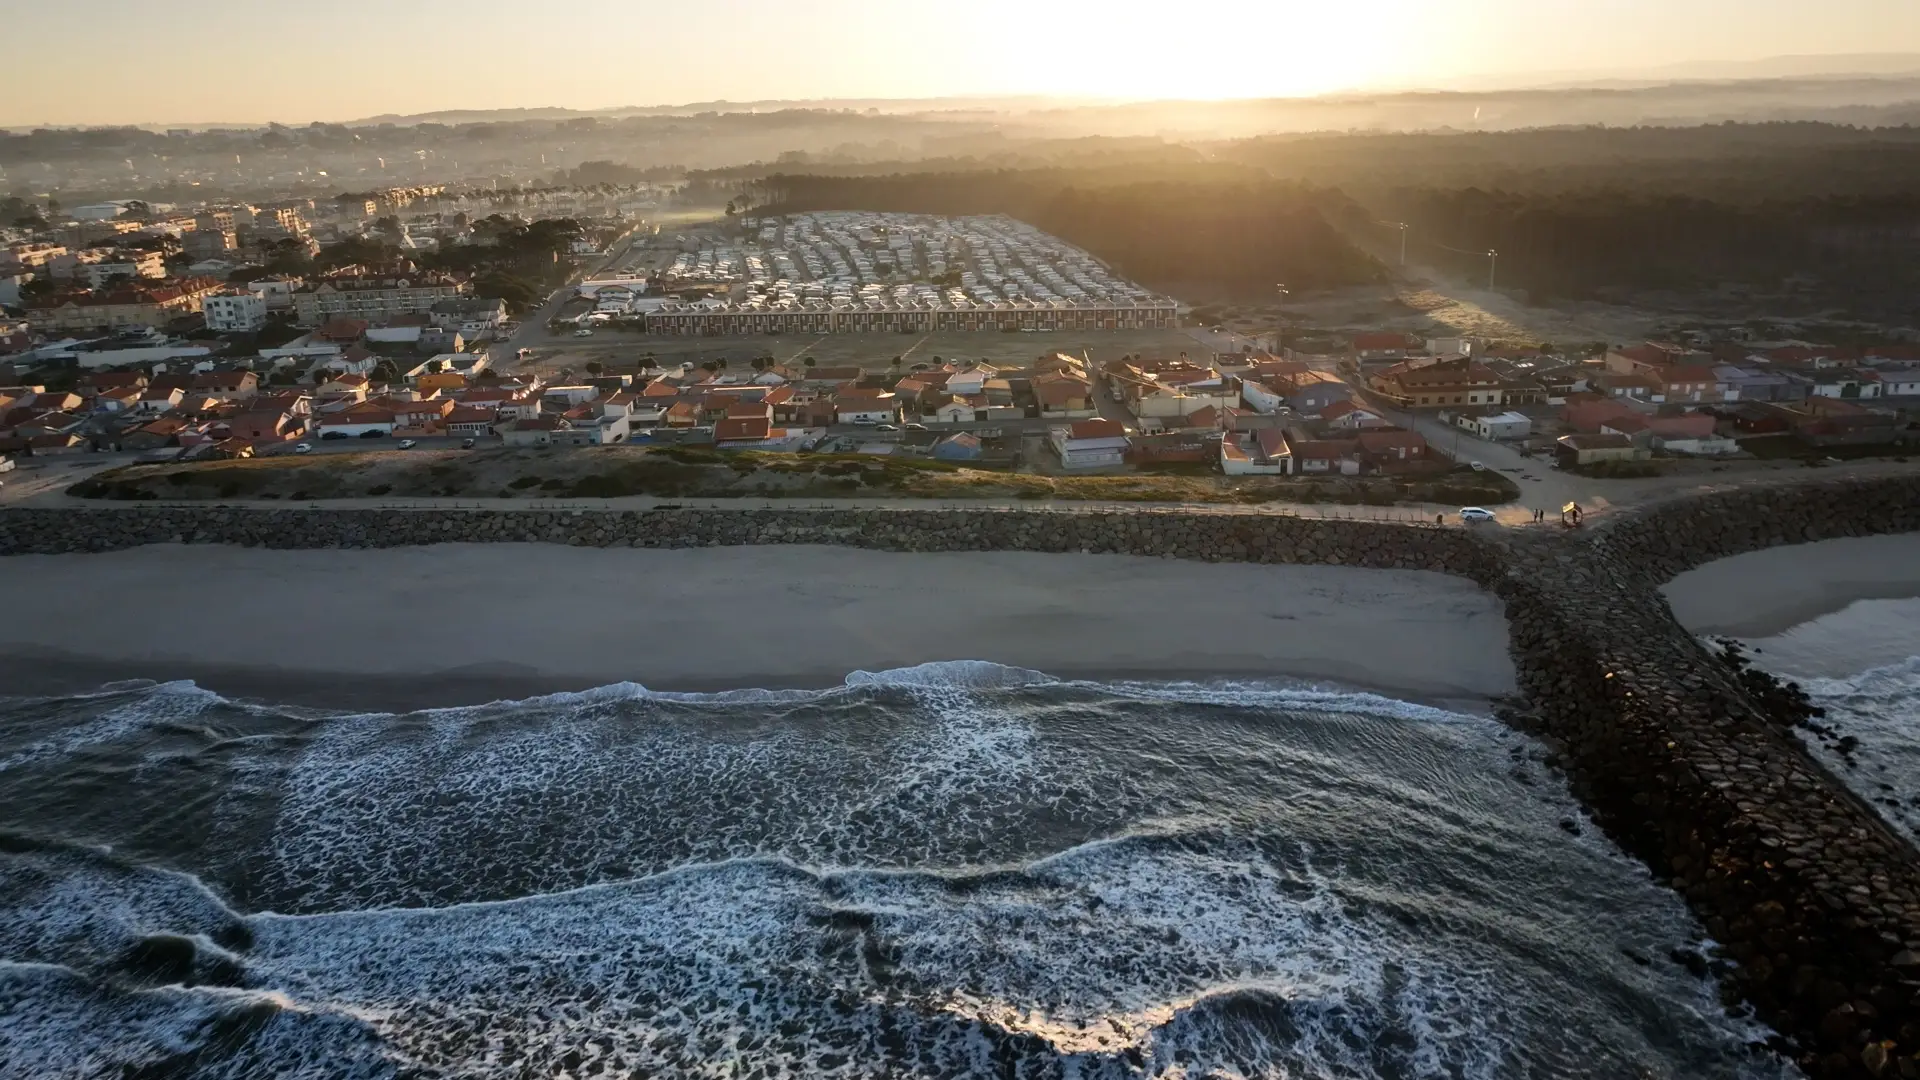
465 624
1766 593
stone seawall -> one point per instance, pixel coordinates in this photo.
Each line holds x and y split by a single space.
1815 900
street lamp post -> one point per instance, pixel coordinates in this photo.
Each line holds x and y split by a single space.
1493 264
1402 226
1280 339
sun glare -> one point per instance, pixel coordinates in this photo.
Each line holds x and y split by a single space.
1213 51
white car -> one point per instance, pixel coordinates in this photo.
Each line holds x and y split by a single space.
303 448
1476 466
1472 514
407 444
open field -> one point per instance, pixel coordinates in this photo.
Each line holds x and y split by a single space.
686 472
872 351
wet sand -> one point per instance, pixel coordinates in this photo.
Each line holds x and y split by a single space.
1763 593
466 623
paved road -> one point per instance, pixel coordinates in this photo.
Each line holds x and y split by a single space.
533 331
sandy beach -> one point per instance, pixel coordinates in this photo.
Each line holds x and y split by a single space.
1763 593
462 623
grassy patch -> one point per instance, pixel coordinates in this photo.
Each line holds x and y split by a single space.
1618 470
696 472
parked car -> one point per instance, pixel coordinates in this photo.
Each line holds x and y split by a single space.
376 433
916 427
886 427
303 448
407 444
333 435
1476 466
466 444
1472 514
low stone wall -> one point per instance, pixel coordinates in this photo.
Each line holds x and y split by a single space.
1212 537
1816 900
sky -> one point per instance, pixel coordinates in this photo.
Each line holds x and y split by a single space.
250 61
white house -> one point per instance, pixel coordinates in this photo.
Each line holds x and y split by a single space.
1709 446
277 292
1256 453
863 406
234 313
355 421
1500 426
1090 444
1260 397
555 431
1899 382
954 411
571 395
971 381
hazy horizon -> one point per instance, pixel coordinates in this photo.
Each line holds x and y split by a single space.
240 64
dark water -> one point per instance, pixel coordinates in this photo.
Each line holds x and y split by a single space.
1862 665
948 871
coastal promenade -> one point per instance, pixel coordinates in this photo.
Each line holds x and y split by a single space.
1813 900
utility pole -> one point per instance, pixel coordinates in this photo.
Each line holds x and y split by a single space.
1402 226
1280 339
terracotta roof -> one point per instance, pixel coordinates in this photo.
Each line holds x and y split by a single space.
737 428
1375 442
1097 429
1685 374
1060 391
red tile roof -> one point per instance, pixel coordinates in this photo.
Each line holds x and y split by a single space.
735 429
1097 429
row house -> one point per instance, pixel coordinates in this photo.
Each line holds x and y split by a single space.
1438 385
122 307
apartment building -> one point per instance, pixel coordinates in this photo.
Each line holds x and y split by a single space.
89 309
95 267
1439 385
373 297
235 313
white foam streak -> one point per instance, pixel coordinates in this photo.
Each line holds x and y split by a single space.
157 703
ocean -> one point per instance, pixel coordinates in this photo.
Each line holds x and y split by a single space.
1860 665
952 870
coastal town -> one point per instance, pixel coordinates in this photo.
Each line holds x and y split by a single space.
144 334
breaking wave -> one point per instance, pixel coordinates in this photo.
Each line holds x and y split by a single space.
952 869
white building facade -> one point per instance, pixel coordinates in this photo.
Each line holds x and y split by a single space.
235 313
